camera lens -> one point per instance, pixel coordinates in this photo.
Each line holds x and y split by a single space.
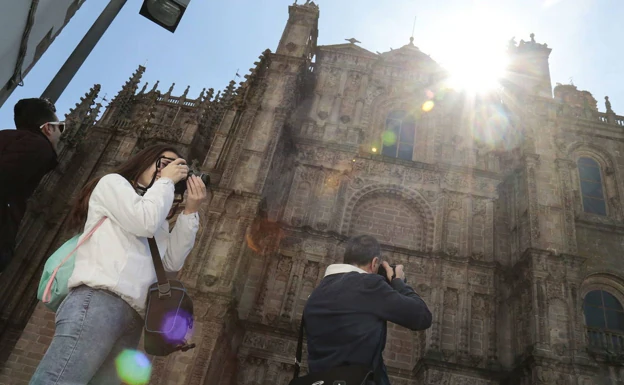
205 178
180 187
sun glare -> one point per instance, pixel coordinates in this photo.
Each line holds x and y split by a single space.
478 60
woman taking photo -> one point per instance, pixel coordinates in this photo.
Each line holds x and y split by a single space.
103 313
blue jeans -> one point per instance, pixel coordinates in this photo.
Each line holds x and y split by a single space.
92 328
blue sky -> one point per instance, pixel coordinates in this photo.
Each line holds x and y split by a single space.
215 38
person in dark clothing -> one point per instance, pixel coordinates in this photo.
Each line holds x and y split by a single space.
346 315
26 155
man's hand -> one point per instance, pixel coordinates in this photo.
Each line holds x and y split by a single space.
398 270
400 274
196 194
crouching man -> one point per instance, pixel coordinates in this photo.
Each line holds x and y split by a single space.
346 315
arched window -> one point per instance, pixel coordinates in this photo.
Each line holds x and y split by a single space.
398 137
604 317
591 186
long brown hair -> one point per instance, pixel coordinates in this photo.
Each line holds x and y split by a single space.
130 169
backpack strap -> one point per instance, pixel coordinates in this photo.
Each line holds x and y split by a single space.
47 294
164 288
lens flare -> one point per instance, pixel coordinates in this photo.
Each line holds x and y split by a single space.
374 149
491 126
389 138
176 326
264 236
428 106
133 367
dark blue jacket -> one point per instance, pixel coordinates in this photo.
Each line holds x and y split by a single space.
346 315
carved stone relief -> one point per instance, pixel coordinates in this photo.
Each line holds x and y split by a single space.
350 94
410 198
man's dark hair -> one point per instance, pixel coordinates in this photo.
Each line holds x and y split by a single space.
30 114
361 250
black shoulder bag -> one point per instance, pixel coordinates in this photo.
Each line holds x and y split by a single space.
342 375
169 314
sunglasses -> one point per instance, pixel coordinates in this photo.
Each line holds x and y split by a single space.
60 125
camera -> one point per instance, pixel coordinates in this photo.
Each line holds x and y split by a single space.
382 271
180 187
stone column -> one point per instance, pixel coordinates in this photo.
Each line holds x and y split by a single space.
335 111
292 291
465 237
359 106
464 318
492 315
569 225
440 225
315 105
209 219
532 161
540 328
488 236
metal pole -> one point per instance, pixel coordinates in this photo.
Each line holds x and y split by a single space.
82 51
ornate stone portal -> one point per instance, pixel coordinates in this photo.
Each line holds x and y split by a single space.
503 224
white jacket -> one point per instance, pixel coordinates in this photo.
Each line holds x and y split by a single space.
117 257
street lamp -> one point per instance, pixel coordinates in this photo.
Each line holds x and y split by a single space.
166 13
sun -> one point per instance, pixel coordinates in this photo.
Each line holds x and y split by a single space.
479 72
477 62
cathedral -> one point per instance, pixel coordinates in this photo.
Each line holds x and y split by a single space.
505 208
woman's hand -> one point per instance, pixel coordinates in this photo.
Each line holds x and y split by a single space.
196 194
176 170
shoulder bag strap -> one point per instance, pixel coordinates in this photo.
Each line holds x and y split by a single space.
164 288
299 352
377 360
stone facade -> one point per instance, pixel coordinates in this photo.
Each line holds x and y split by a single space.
493 211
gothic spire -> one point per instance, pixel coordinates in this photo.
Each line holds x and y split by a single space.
144 112
217 109
210 94
121 103
168 94
186 91
202 104
82 108
228 93
201 95
205 105
253 77
155 88
95 112
132 84
144 88
81 117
